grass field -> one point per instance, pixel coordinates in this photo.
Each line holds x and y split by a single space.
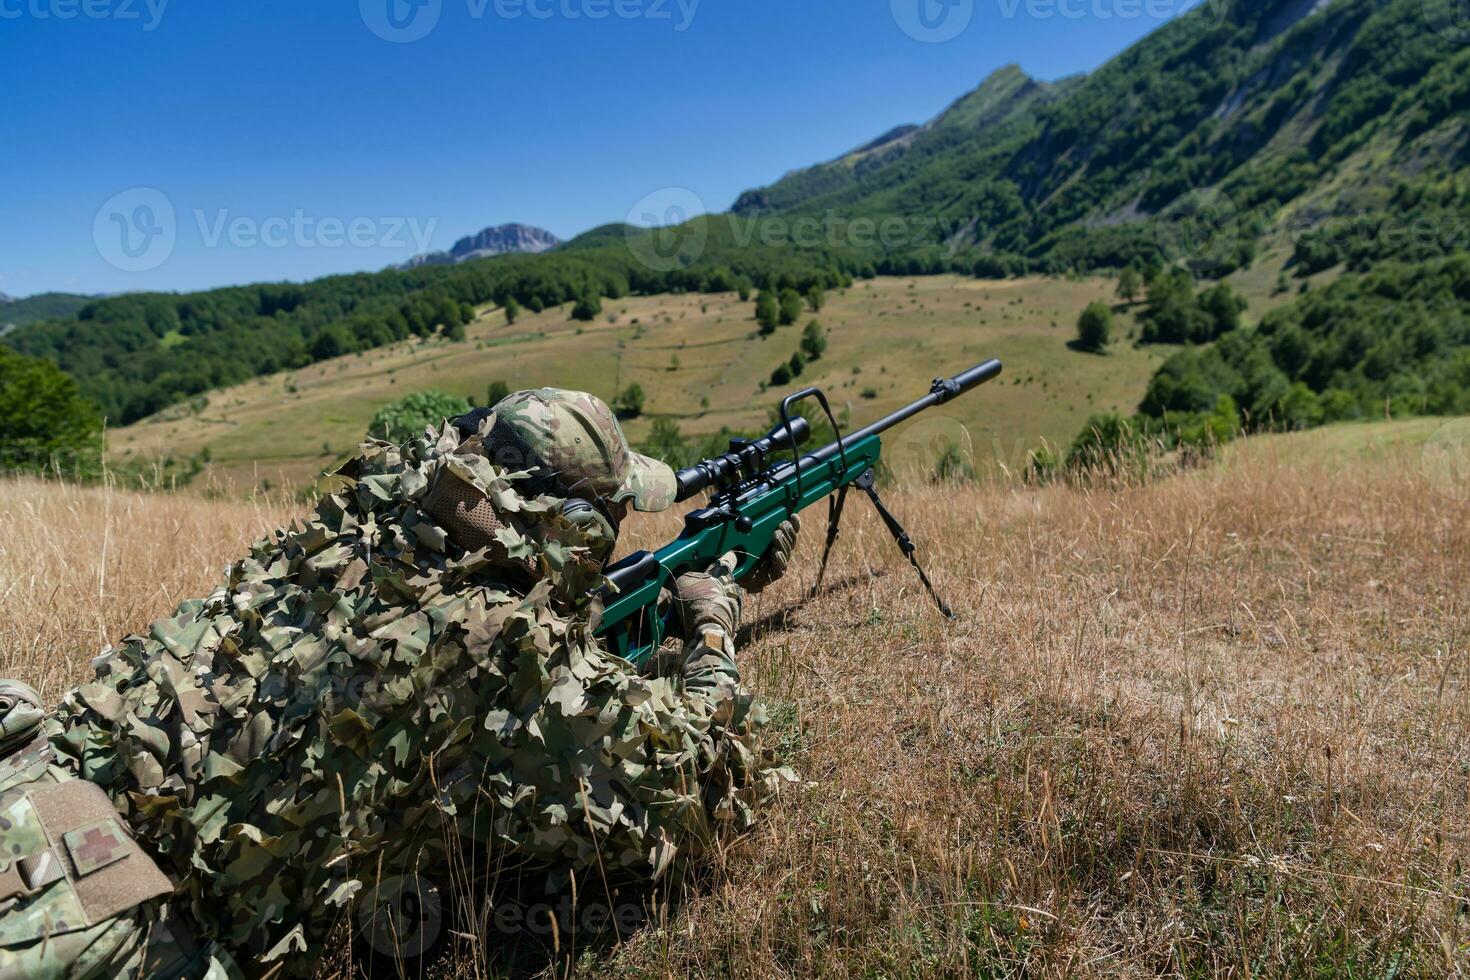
888 338
1217 724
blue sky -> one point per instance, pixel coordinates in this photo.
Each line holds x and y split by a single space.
291 140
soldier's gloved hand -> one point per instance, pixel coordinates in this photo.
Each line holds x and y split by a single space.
775 562
710 598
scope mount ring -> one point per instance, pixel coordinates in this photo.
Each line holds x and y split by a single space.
821 397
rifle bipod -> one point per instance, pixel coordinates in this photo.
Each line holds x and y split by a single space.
868 484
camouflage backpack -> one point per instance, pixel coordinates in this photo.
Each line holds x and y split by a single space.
78 897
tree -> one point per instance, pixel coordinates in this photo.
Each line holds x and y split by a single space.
813 341
629 403
1223 306
767 312
512 309
797 364
790 306
588 307
454 332
781 376
1095 327
44 421
331 342
1129 284
815 297
495 393
412 414
665 442
466 313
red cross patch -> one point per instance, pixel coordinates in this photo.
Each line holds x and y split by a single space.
97 845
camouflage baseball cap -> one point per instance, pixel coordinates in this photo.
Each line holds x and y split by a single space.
577 437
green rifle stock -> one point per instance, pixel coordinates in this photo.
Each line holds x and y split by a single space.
750 501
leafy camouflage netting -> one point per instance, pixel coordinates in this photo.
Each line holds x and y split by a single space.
361 689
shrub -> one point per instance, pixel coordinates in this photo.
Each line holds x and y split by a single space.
813 341
790 306
767 313
410 415
629 402
588 308
1095 327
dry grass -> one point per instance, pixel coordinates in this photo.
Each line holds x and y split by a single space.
82 567
1215 725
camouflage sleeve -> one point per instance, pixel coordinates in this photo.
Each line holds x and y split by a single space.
709 608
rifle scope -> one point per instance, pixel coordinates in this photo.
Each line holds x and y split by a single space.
745 459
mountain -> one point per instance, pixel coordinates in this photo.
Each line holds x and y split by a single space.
1258 115
503 240
1001 104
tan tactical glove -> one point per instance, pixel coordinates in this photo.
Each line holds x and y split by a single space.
777 559
709 598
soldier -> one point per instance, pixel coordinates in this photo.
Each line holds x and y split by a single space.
412 666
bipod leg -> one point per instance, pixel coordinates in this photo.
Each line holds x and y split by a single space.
834 517
867 483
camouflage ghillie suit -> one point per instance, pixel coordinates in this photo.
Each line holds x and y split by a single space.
363 690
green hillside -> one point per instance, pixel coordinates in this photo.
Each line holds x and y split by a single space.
1202 141
42 306
1294 136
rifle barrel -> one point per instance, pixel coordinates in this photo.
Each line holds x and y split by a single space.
944 390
